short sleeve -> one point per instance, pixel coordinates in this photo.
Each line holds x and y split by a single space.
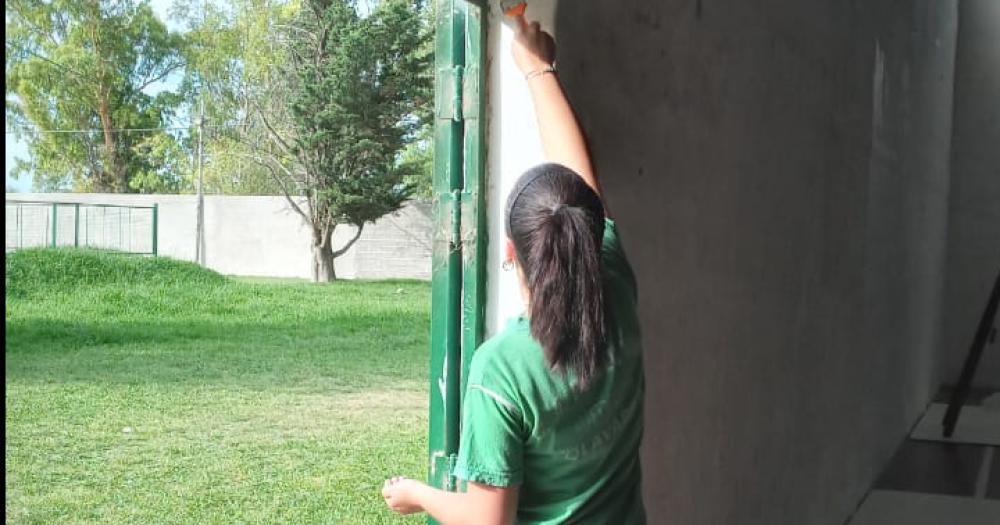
615 263
491 446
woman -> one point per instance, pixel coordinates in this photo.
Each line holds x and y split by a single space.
553 410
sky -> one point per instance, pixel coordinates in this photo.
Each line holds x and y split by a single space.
18 149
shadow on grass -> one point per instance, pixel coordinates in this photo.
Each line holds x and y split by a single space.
353 353
33 334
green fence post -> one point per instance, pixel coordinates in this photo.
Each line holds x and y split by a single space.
155 210
55 214
76 225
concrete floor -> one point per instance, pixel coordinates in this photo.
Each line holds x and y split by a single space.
933 481
885 507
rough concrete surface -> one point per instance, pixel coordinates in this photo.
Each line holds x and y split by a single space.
779 174
974 222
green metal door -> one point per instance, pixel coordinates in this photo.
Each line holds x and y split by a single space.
458 278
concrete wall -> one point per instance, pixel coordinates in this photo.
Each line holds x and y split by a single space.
263 236
974 223
779 172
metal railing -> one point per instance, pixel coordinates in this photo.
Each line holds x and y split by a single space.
125 228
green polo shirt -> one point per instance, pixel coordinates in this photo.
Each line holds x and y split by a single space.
574 455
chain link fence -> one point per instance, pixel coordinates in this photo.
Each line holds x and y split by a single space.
124 228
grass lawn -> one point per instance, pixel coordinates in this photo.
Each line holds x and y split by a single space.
152 391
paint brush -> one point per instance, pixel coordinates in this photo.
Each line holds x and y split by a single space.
513 8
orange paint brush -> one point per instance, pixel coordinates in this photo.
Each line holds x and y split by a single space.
513 8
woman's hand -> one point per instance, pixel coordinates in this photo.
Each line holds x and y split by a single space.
402 495
533 48
562 140
479 504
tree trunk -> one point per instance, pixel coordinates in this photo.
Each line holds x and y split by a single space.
111 176
324 254
322 248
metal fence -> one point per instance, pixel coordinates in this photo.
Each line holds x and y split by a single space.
35 224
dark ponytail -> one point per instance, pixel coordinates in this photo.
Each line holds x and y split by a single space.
556 223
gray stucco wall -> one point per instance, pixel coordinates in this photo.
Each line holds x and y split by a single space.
779 172
974 224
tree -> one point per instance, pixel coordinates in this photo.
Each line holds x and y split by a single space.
418 160
230 54
85 66
418 156
356 89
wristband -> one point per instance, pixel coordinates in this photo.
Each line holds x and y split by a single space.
539 72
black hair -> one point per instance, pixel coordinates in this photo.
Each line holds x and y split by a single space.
556 222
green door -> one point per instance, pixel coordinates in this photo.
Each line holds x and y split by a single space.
458 276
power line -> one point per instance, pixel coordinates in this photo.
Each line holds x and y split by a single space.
121 130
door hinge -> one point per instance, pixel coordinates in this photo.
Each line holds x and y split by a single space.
442 466
456 220
459 207
470 93
450 213
449 93
451 482
468 229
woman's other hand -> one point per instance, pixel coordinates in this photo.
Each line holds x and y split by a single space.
401 495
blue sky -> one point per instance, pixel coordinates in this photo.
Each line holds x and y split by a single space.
18 149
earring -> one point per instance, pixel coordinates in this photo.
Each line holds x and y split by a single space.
507 265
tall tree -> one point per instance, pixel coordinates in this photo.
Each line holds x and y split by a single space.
418 161
82 68
357 86
418 155
229 53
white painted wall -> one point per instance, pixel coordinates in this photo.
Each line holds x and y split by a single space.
263 236
514 146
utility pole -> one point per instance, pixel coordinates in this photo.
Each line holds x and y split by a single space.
199 249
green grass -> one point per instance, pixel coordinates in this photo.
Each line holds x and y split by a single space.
152 391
